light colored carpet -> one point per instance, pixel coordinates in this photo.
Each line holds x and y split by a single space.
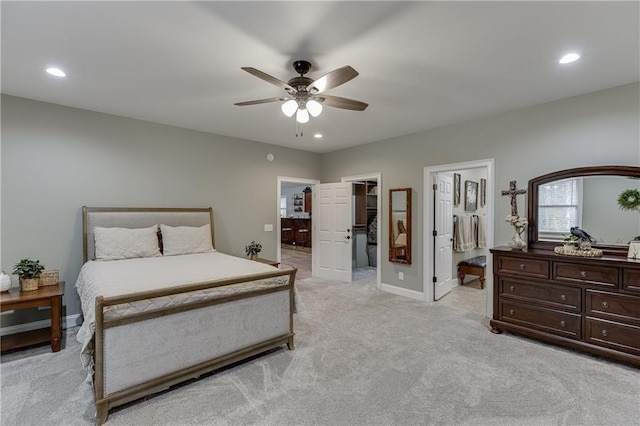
362 357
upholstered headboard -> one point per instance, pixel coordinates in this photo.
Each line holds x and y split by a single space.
128 217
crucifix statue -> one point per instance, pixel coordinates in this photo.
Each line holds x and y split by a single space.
513 192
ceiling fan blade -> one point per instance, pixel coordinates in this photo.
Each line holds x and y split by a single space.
262 101
344 103
268 78
333 79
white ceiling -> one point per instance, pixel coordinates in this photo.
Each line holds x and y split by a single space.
422 64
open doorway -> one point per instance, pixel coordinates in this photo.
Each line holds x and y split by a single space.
295 224
366 214
459 234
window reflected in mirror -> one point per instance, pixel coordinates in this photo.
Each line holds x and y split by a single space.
586 197
400 225
589 203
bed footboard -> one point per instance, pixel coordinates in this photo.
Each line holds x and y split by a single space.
196 336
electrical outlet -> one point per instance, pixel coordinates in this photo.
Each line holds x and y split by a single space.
401 276
268 227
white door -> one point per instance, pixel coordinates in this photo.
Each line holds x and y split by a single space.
332 236
443 239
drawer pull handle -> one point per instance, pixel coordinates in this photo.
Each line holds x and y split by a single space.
512 288
605 333
511 311
605 305
563 323
563 297
522 266
583 274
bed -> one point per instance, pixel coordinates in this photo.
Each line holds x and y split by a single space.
154 317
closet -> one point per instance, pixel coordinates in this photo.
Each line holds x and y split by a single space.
365 213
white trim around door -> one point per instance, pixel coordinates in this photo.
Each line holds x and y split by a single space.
429 213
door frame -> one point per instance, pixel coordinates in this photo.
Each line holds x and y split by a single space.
428 209
378 178
288 179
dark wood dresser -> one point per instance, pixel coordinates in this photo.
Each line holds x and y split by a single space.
590 304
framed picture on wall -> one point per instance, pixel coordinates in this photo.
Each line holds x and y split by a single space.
456 189
470 195
483 192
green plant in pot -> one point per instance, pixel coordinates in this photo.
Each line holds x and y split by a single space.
570 240
29 272
253 249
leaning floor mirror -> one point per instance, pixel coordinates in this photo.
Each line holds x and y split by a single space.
400 225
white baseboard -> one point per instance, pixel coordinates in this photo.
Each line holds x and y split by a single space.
412 294
68 321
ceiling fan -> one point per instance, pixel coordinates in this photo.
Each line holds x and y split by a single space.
306 96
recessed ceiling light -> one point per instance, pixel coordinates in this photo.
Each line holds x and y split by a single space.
56 71
318 136
569 57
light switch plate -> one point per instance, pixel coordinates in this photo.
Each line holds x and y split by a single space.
401 276
268 227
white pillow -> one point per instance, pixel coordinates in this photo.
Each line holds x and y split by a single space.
126 243
185 239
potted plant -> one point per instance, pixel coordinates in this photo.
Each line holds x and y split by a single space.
29 272
253 249
569 240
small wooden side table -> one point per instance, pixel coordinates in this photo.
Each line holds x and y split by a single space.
50 296
268 262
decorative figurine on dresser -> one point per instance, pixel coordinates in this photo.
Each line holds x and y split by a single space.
586 299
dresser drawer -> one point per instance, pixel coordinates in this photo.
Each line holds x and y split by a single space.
585 274
617 307
612 335
553 296
523 267
631 279
561 323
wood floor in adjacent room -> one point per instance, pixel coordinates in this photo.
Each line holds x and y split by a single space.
300 257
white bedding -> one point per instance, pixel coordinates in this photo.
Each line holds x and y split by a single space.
118 277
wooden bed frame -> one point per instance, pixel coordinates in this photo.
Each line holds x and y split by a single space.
271 309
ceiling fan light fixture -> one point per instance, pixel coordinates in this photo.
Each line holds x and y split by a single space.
302 116
289 108
314 108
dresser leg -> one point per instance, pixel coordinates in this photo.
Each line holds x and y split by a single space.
496 330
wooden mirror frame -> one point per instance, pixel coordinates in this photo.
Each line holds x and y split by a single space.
400 254
534 184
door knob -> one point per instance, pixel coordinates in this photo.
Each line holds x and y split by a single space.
348 237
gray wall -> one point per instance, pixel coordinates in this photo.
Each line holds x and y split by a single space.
594 129
56 159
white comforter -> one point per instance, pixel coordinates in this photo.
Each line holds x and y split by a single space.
118 277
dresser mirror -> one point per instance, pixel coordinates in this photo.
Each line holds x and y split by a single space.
586 197
400 225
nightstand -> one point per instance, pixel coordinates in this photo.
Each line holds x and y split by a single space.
47 296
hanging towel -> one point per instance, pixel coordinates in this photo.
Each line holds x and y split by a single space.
463 239
482 233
